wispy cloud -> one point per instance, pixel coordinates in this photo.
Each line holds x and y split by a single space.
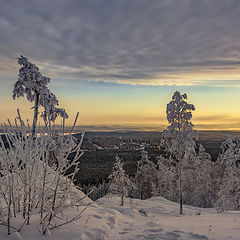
135 42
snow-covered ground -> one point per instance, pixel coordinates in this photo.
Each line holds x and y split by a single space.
151 219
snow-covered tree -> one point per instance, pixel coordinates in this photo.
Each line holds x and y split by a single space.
34 85
198 183
119 180
146 177
230 154
167 179
229 189
179 136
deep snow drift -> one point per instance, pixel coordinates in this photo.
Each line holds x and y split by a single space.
154 218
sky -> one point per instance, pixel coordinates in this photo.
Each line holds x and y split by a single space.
118 62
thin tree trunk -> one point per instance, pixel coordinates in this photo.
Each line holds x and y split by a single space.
122 197
25 192
180 189
180 173
43 192
54 198
14 204
122 201
9 206
35 116
13 196
29 202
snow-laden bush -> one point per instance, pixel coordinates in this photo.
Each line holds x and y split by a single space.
37 176
96 191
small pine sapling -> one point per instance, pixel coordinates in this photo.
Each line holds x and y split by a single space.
119 180
146 176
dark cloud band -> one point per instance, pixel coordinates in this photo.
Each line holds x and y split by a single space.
122 41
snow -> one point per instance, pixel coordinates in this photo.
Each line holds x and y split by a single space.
163 222
152 219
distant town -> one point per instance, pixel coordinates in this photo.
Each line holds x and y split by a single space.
119 143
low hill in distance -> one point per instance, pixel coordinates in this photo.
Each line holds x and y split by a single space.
203 134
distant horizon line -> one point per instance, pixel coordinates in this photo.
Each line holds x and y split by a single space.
146 127
150 127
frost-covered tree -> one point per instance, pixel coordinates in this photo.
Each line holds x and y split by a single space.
205 190
34 85
167 179
198 183
146 177
229 189
119 181
230 154
179 136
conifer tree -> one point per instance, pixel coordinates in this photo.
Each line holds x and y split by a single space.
146 176
119 180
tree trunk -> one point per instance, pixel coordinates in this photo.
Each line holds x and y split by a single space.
9 205
122 195
180 189
122 200
29 202
35 117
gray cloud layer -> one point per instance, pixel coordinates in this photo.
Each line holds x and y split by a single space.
120 40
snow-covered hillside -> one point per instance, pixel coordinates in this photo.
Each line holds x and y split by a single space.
153 219
157 218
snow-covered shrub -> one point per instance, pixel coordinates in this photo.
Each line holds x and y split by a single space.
119 181
96 191
29 184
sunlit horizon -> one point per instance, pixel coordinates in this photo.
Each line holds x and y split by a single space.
119 62
135 107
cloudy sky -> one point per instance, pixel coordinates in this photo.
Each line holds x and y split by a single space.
119 61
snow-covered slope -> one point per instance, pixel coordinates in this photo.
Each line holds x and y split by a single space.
152 219
157 218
